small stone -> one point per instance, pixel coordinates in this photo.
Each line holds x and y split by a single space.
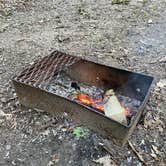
37 124
31 63
143 146
150 21
41 21
46 133
56 158
60 137
8 147
2 113
138 90
3 100
50 163
161 129
17 103
54 132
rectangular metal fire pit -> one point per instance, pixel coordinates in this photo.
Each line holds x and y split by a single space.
33 87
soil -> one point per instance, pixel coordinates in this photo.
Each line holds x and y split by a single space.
126 35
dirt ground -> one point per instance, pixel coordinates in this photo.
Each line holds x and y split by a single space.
130 36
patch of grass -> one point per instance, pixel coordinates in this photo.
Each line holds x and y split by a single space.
80 132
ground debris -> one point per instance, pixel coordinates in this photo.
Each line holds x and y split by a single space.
126 2
80 132
155 149
106 161
6 115
106 148
55 158
162 83
51 123
136 153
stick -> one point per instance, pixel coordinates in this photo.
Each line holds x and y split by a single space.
11 99
109 151
48 124
136 153
17 111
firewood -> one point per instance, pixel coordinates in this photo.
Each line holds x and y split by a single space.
113 108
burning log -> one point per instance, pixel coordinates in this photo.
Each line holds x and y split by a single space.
110 105
88 100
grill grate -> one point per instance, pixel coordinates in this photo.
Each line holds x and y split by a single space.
41 72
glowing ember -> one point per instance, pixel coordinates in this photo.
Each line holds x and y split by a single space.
127 111
88 100
96 102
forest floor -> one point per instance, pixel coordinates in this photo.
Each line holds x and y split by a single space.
127 35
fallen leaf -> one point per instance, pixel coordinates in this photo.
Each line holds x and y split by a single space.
162 83
155 148
106 161
2 114
55 158
153 154
8 116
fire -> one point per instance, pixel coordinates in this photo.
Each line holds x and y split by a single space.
95 102
86 99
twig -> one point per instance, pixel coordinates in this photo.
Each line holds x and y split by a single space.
48 124
109 151
11 99
136 153
45 126
17 111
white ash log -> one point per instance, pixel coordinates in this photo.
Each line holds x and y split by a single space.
113 108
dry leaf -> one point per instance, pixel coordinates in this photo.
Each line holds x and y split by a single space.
56 158
2 114
113 108
153 154
162 83
155 148
106 161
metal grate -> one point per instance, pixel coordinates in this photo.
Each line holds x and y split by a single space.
41 72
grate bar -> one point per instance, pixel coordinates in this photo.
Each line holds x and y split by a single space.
41 73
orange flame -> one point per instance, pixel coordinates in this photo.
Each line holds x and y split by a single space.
85 99
96 103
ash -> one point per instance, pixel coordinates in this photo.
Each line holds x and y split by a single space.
131 106
62 85
129 103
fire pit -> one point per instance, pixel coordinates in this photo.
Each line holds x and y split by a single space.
106 99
